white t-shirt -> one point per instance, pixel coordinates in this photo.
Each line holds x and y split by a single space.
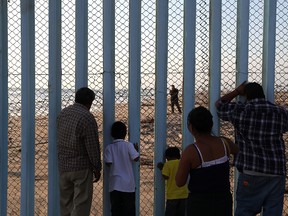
121 154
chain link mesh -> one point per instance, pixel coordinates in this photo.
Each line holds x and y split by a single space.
95 75
14 120
281 67
255 41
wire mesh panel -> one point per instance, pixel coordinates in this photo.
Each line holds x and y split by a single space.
281 69
175 70
41 107
14 100
281 64
148 52
255 40
228 43
95 76
202 53
68 51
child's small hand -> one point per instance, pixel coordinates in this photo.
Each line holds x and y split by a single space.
160 165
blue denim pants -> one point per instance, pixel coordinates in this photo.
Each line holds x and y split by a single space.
259 193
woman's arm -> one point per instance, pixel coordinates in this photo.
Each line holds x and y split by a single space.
231 146
184 167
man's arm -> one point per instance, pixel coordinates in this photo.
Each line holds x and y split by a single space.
92 145
231 95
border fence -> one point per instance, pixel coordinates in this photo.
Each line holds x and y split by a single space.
129 52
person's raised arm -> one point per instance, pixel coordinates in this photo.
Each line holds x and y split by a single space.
231 95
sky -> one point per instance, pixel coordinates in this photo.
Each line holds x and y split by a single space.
148 42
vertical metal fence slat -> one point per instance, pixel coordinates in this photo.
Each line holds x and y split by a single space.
81 43
215 59
108 87
135 85
189 67
242 40
54 104
160 102
242 44
268 62
3 107
28 107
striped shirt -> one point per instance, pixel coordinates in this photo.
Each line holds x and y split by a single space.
259 127
77 139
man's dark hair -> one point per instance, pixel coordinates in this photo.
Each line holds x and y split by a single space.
118 130
253 90
172 152
84 96
201 119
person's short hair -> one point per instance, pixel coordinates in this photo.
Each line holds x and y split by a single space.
201 119
172 152
84 96
118 130
253 90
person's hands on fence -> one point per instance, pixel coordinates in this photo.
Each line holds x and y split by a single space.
240 89
97 175
160 165
136 146
233 94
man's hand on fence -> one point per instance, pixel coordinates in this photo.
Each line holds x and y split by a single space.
97 175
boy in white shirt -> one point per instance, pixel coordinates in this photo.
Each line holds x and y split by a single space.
119 156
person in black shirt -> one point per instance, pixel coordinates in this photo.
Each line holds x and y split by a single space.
174 99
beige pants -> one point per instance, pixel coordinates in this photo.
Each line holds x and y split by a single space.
76 190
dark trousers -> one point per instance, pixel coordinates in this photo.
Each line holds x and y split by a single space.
176 207
210 204
175 103
122 203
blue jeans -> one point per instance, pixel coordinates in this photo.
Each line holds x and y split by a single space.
257 193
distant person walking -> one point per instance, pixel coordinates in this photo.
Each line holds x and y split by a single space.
119 157
259 127
174 98
176 197
78 154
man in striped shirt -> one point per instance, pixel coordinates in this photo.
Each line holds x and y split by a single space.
78 154
259 126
